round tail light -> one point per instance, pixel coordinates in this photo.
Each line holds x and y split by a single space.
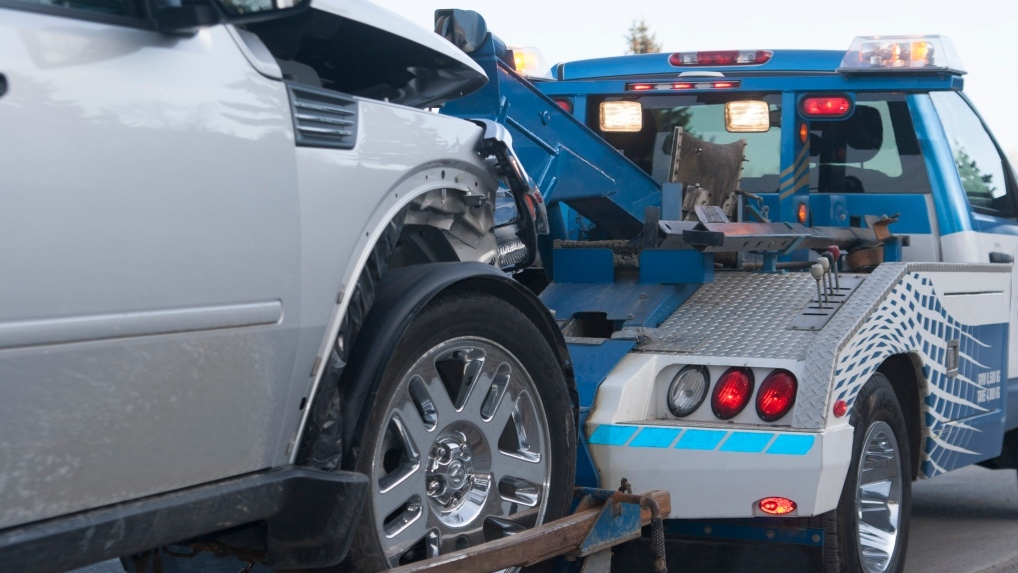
687 391
776 396
732 392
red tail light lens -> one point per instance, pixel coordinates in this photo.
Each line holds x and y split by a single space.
825 107
732 392
565 103
720 58
776 396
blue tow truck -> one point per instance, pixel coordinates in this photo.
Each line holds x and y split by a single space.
785 278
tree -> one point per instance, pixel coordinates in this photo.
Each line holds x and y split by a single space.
641 40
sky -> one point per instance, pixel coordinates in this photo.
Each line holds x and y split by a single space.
984 32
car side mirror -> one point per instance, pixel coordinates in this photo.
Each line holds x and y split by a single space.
187 16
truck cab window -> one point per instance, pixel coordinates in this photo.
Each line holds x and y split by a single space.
874 150
976 156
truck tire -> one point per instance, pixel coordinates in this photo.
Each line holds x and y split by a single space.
470 436
868 532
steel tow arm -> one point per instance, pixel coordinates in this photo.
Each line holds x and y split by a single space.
603 519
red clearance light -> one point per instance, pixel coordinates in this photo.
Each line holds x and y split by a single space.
840 408
565 104
732 392
776 395
724 84
720 58
777 505
828 107
683 86
640 87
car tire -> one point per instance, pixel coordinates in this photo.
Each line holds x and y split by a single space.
868 532
470 437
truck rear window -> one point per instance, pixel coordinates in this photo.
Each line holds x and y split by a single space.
701 115
875 150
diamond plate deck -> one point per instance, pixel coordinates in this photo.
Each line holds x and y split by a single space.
746 315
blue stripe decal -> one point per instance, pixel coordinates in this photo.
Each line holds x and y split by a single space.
655 438
792 445
608 435
746 442
700 439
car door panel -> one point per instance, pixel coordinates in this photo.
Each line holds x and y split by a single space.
149 247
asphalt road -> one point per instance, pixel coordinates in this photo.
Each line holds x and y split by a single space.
962 522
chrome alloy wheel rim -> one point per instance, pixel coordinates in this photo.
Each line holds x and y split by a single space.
878 498
465 457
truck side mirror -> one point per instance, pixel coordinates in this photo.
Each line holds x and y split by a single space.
466 29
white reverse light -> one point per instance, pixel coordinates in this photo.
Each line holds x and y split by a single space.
687 391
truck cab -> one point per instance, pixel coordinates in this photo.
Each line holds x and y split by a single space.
883 128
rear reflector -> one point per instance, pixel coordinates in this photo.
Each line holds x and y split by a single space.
777 505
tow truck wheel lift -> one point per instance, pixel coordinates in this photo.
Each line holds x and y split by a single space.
601 520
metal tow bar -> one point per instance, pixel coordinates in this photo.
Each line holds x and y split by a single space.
602 520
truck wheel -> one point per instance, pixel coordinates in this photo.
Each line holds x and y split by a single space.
470 437
869 530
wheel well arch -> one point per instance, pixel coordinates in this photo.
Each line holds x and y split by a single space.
905 372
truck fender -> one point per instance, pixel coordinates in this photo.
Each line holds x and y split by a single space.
400 296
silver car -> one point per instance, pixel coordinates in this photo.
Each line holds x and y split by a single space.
253 293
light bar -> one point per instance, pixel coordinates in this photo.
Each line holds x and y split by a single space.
721 58
685 85
901 53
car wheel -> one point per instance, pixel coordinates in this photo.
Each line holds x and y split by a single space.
470 436
869 530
